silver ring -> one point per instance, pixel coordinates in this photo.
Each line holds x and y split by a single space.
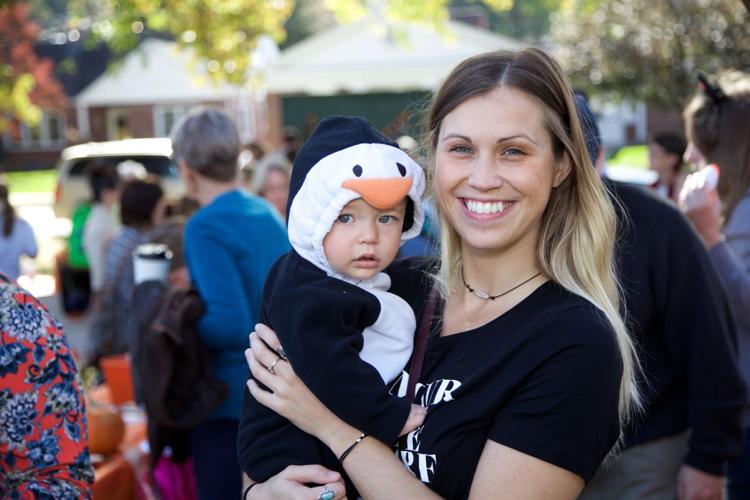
327 494
270 368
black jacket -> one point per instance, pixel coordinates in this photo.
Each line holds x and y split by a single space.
680 320
171 371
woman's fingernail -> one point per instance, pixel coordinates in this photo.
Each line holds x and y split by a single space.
333 475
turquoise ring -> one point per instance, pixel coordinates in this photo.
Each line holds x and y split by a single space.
327 494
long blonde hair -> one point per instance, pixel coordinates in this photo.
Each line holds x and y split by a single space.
578 226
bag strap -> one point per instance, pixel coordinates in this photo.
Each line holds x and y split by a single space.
420 343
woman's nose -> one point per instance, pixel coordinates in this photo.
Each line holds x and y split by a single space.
483 175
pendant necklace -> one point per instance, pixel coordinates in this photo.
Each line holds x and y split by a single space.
486 296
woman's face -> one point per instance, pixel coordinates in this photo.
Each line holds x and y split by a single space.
495 170
661 161
276 189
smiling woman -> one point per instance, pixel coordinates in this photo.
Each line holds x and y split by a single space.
527 371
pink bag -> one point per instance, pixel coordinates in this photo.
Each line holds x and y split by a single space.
175 481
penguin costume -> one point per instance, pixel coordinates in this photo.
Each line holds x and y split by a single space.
346 338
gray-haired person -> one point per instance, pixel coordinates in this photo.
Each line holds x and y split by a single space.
230 245
680 320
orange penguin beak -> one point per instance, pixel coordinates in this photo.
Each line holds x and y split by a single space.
380 193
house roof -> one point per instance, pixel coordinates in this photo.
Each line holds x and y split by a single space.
363 57
157 72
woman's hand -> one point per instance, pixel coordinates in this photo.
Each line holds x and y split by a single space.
287 395
702 206
291 483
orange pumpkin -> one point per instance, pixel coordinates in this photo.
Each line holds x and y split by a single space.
106 428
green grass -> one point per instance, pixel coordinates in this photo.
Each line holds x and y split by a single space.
36 181
631 157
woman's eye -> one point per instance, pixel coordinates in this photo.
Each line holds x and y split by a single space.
514 152
385 219
460 149
344 218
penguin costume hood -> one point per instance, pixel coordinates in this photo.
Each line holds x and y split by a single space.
346 158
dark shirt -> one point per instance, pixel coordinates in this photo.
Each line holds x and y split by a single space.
680 320
543 379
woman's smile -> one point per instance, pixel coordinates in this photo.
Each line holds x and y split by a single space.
483 210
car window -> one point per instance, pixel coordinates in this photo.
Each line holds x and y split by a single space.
156 165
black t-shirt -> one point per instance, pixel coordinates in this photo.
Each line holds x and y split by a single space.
542 379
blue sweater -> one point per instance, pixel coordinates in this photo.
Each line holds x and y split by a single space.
230 245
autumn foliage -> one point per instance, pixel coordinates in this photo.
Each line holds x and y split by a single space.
27 82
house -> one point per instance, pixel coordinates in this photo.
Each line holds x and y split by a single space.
385 72
141 96
25 147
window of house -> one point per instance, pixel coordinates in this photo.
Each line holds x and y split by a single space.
49 133
165 117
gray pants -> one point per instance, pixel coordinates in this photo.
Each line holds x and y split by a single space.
644 472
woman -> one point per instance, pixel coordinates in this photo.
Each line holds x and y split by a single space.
271 181
16 237
716 125
529 370
101 225
142 206
230 244
665 153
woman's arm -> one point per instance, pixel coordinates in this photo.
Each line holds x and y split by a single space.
503 472
289 397
702 207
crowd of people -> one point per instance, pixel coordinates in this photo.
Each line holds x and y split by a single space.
563 335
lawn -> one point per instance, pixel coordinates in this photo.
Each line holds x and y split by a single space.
631 157
35 181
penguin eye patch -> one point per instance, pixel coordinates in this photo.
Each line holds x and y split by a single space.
357 170
401 169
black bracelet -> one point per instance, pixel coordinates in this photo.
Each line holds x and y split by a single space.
351 447
247 490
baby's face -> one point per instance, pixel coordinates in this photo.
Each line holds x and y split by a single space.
364 240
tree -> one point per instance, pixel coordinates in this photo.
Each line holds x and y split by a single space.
649 50
225 32
524 20
221 34
27 83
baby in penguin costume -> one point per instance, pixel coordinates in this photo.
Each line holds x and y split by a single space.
354 198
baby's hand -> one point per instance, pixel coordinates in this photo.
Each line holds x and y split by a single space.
416 417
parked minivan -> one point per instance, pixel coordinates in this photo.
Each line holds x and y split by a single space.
152 154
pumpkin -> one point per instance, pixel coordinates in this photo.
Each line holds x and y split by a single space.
106 429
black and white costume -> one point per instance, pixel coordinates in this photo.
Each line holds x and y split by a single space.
327 322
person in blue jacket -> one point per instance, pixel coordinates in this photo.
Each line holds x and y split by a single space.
230 245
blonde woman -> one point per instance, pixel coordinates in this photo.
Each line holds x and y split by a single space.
528 371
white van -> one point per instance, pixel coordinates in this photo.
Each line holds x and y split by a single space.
139 156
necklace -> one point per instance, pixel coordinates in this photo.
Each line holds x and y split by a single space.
486 296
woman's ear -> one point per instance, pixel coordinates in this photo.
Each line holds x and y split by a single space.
562 170
187 174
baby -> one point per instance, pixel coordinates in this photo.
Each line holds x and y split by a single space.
354 198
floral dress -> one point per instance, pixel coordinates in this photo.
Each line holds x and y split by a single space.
43 442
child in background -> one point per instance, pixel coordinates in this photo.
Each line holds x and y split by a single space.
354 198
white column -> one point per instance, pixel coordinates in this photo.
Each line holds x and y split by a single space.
82 117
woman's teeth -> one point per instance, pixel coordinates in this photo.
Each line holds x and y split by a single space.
479 207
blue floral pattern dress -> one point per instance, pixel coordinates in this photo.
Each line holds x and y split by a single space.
43 442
